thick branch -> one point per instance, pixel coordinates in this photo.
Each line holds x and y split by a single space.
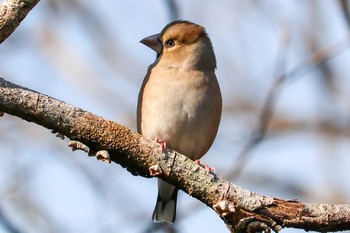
239 208
12 12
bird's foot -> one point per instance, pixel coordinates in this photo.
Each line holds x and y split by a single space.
102 155
206 167
162 147
161 143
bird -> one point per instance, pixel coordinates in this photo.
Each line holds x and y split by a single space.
180 101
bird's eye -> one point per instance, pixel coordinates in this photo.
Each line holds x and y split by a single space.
170 43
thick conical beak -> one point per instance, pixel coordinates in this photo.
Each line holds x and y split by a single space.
153 42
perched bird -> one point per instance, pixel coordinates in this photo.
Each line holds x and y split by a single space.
180 100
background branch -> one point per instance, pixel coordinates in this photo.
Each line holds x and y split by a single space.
318 57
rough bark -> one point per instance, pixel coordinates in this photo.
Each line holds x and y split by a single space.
12 12
240 209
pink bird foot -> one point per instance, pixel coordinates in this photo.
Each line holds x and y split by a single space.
163 147
206 167
161 143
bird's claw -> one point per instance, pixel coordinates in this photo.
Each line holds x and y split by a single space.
161 143
206 167
162 147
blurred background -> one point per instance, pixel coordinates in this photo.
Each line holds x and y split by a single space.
285 129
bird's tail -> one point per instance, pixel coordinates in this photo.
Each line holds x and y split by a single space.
165 209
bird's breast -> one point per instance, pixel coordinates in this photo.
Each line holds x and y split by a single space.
180 108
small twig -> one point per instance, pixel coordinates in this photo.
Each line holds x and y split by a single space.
7 224
173 9
319 56
344 4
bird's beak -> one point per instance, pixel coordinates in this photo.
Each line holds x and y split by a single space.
153 42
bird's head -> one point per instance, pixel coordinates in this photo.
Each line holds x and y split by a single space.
182 43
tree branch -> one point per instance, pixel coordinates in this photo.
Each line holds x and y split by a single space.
239 208
12 12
